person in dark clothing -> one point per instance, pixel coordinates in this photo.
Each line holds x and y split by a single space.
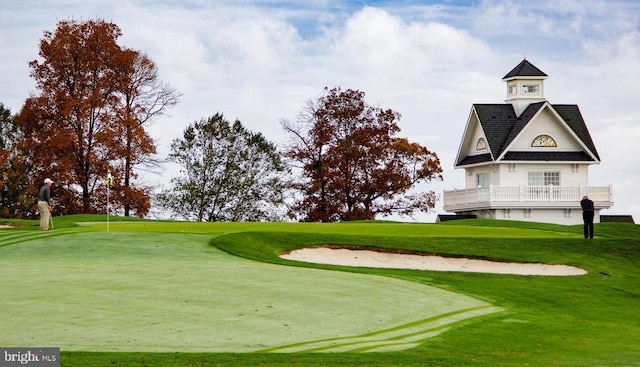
44 204
588 212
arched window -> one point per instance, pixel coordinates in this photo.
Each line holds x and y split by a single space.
544 140
481 144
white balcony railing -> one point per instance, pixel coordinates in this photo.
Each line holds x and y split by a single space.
526 196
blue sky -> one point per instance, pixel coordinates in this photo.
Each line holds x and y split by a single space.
259 61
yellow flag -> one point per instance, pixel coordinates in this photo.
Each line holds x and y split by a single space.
109 178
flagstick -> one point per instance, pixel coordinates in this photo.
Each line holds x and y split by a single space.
107 208
109 182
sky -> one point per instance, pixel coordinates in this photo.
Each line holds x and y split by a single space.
260 61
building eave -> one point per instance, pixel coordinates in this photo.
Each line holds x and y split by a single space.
546 162
524 78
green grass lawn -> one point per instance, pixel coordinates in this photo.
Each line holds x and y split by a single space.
151 293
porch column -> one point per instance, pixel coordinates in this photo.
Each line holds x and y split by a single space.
490 193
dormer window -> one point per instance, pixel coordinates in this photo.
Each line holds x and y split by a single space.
544 141
481 144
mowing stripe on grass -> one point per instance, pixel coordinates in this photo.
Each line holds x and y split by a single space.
16 236
392 339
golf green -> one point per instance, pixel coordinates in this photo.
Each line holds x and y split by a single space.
127 291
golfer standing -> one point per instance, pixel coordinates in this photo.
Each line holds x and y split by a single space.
44 204
588 212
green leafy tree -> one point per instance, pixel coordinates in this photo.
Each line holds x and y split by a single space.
228 173
353 166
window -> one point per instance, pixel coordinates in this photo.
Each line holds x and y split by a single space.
481 144
539 178
530 89
482 179
545 141
512 89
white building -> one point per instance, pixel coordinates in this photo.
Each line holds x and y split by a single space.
526 159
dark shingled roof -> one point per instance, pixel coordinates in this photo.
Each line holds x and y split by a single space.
473 159
525 68
572 116
617 218
448 217
548 156
523 120
501 126
497 121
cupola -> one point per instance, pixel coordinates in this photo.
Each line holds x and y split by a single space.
525 85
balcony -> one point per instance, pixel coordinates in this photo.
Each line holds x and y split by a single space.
509 197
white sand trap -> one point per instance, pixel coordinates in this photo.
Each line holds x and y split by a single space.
378 259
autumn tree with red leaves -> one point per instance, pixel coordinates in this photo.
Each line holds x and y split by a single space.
143 97
353 166
95 97
14 171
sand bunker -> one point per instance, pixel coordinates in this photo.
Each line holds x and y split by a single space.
377 259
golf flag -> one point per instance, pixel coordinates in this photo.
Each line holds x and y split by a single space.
109 178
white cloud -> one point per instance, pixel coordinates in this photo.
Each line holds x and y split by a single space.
259 62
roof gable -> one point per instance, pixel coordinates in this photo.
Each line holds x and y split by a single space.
473 132
577 132
502 127
572 117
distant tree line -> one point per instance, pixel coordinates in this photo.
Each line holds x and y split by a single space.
95 100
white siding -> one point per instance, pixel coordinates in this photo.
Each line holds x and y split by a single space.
471 173
517 174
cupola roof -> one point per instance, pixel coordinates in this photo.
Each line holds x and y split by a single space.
525 69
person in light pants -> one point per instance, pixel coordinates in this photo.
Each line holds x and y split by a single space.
44 204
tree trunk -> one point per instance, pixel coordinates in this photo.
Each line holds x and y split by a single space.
127 179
